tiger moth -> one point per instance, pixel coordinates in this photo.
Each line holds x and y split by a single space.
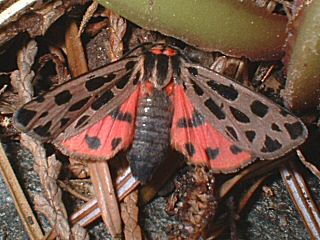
155 98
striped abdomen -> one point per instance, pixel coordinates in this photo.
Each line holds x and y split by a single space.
152 134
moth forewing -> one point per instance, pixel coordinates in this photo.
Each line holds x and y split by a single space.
253 122
49 114
95 115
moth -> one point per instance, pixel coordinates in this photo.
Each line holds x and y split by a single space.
155 98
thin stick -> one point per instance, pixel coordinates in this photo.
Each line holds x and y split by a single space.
28 219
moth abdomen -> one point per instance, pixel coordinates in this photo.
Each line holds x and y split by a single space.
152 134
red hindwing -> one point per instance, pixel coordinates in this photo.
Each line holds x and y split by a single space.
199 141
108 136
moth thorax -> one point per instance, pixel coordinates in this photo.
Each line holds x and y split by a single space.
152 134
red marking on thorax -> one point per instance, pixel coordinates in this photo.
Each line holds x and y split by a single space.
167 51
156 51
169 88
149 87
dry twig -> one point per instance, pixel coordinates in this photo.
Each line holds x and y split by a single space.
130 216
28 219
99 171
88 14
301 197
48 169
308 165
117 29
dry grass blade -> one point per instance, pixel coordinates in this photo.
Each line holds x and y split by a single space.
118 28
87 214
90 211
308 165
107 200
50 204
88 14
249 172
130 216
76 56
28 219
79 233
246 198
219 227
21 79
12 12
36 23
66 188
48 169
302 198
99 171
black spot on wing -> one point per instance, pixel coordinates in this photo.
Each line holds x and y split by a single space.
275 127
196 121
190 149
129 65
184 123
78 105
127 117
239 116
212 153
215 109
259 109
295 130
44 114
96 83
115 143
227 92
62 97
251 135
43 130
121 116
193 71
231 132
270 145
64 121
197 89
81 121
102 100
24 116
235 150
123 81
93 142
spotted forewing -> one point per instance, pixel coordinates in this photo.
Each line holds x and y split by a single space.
80 101
215 121
253 122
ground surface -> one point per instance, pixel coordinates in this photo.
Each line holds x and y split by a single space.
269 217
